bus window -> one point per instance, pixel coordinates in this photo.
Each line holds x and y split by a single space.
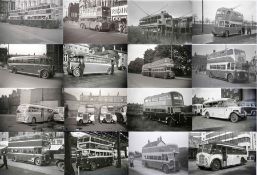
232 66
226 24
228 66
221 24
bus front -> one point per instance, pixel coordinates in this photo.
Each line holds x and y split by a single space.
221 22
241 66
203 156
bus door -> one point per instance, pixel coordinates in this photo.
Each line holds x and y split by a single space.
224 156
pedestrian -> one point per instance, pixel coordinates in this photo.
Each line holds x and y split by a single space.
82 67
4 160
131 161
112 64
243 30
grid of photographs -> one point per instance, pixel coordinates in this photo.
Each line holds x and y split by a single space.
128 87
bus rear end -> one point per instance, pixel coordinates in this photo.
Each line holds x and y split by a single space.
22 114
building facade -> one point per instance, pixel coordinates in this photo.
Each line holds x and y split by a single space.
244 139
5 7
24 4
73 11
9 103
239 94
55 51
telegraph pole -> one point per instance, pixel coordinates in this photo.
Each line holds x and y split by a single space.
202 16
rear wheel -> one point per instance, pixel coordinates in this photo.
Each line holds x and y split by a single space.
93 166
60 165
14 159
109 71
165 169
230 78
207 115
44 74
234 118
76 72
33 121
226 33
14 70
38 161
81 122
215 166
242 161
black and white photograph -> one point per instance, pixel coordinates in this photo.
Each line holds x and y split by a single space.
164 66
160 22
222 65
95 109
96 153
159 109
152 153
31 22
93 66
222 153
31 65
31 109
224 109
221 22
29 153
95 21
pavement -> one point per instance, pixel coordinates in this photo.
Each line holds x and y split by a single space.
117 80
74 34
8 80
8 123
71 125
247 169
203 80
200 123
234 39
18 34
139 169
138 80
15 168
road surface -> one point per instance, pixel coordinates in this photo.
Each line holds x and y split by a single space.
74 34
203 80
8 79
201 123
138 80
19 168
248 169
71 125
17 34
8 123
139 169
117 80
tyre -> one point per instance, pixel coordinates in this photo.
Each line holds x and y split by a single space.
38 161
60 166
33 121
92 166
14 71
234 118
165 76
201 168
210 75
109 71
230 78
165 169
14 159
44 74
215 166
81 122
242 161
226 33
207 115
76 72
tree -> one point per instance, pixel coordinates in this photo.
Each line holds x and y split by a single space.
136 66
162 51
149 56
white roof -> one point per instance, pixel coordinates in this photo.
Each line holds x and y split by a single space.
215 100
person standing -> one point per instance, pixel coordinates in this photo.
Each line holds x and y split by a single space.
5 161
82 67
112 64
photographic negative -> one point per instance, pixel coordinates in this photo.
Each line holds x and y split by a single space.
222 152
29 109
160 22
160 109
223 109
163 66
26 22
31 65
32 152
97 152
224 66
95 21
95 65
219 22
95 109
158 153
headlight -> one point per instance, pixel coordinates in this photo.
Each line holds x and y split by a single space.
238 74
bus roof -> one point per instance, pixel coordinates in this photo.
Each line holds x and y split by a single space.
37 106
156 15
163 61
231 9
221 99
226 145
163 94
29 56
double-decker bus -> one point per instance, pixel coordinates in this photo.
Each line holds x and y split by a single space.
161 22
43 12
96 18
163 157
162 68
94 64
220 155
32 148
165 107
228 22
95 152
228 64
29 113
86 114
39 65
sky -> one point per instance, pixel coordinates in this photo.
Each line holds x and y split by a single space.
66 5
138 50
208 48
26 49
95 91
207 93
138 139
138 9
247 8
6 91
137 95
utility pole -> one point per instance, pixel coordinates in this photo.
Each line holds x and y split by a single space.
202 16
118 151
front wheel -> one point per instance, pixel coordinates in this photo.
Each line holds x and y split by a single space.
242 161
45 74
234 118
215 166
230 78
76 72
165 169
33 121
226 33
38 161
93 166
207 115
60 166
